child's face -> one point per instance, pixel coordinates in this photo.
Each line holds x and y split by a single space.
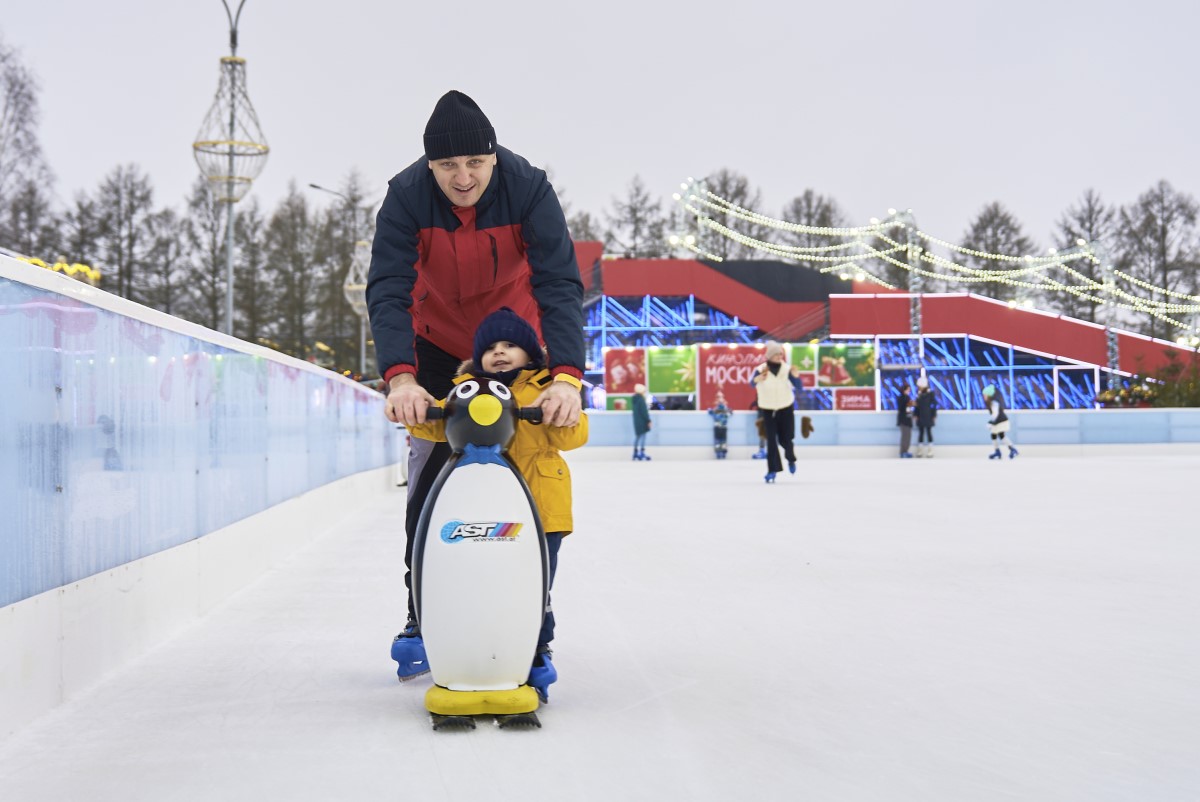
502 356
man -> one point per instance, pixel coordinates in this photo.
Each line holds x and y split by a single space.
463 231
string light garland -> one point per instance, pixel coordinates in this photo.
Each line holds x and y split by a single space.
853 254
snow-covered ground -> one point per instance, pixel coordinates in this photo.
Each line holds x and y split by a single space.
869 629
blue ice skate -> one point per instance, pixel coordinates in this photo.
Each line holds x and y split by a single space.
542 674
995 454
408 650
770 477
1012 452
792 467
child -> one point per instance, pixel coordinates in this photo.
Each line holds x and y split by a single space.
998 422
720 413
507 350
641 421
926 417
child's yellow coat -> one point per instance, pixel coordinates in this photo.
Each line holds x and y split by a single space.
534 450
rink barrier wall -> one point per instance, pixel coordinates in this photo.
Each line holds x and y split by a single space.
58 643
125 431
861 429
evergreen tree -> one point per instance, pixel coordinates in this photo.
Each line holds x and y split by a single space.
207 260
1090 220
125 199
28 225
996 231
167 271
253 301
635 226
290 246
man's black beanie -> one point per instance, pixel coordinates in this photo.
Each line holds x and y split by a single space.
458 127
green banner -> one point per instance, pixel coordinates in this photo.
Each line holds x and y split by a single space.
846 365
672 370
804 356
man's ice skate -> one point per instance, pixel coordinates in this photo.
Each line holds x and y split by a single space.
408 650
543 674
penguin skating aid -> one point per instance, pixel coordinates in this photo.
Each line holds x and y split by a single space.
480 567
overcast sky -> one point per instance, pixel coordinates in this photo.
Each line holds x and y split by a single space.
940 106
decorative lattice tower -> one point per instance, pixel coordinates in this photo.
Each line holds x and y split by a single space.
230 147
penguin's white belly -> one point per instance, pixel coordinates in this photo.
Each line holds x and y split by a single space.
481 581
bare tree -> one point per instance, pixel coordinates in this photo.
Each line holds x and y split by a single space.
79 235
1157 244
1091 220
636 223
815 210
584 227
996 231
20 151
736 189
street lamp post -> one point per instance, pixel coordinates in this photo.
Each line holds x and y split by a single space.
355 285
230 148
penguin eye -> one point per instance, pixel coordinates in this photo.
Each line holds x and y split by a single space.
466 389
499 390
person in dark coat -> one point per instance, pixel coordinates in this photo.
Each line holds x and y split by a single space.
641 421
926 417
904 420
466 229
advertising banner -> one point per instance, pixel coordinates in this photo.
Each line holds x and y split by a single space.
728 368
624 368
854 399
671 370
846 365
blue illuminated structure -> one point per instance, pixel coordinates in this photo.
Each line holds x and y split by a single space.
657 321
960 367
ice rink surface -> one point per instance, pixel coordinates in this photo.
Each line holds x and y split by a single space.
869 629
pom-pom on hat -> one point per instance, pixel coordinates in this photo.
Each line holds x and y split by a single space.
506 325
458 127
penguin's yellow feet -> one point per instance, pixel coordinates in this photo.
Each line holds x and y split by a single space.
514 707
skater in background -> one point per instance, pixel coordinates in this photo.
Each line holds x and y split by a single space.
926 417
904 419
720 413
460 222
760 431
641 421
506 350
775 381
998 423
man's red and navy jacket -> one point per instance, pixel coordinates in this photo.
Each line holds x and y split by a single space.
438 270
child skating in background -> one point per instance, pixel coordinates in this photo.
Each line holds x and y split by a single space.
720 413
926 417
507 350
641 421
998 423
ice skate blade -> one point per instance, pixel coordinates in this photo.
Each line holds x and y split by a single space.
519 721
451 722
408 677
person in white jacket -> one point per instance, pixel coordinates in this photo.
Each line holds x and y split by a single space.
998 423
776 381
